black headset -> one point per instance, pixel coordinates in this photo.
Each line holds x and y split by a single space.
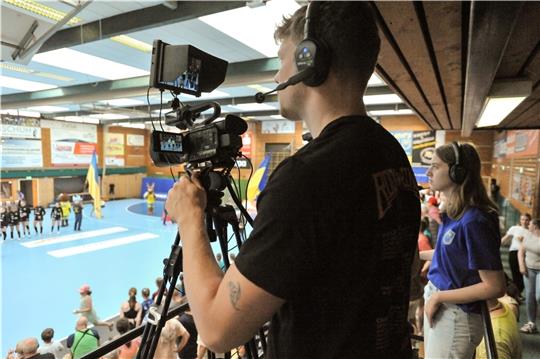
457 171
312 56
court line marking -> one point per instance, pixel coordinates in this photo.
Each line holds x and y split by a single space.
97 246
73 237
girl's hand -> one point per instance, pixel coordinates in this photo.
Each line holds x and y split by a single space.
524 271
432 307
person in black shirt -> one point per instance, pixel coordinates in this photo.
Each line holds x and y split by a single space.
77 210
56 217
4 220
329 259
24 214
189 351
14 220
39 213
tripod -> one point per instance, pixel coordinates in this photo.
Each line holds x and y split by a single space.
218 218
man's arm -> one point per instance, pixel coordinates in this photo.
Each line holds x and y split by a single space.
506 239
427 255
227 308
184 334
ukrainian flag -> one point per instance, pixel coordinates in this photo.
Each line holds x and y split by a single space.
258 182
93 184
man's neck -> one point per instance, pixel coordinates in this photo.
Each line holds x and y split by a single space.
322 111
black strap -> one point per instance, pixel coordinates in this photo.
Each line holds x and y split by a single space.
78 341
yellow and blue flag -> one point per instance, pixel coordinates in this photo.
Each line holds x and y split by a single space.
260 177
93 184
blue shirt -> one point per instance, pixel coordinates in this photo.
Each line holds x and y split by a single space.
464 247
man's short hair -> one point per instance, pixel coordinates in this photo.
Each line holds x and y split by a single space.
349 30
47 334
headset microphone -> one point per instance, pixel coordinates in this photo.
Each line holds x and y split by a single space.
299 77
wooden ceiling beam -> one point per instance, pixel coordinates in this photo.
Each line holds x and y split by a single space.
491 26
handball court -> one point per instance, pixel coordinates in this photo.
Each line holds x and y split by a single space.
41 276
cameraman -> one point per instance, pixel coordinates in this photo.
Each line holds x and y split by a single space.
329 258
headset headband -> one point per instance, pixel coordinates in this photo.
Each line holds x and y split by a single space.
456 146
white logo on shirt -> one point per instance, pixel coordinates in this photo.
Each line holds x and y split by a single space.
448 237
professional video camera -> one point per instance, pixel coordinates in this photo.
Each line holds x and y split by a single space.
186 69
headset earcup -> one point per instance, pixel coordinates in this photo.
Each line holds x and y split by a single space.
312 54
457 174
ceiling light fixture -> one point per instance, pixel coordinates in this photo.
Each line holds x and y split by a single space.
42 10
25 70
24 85
503 98
382 99
133 43
88 64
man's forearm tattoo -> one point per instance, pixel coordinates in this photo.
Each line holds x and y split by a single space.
234 294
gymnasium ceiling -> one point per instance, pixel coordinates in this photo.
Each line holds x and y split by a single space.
433 56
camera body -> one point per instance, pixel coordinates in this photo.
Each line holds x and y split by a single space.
218 143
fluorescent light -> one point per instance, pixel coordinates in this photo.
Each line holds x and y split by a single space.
122 102
375 80
278 117
109 116
131 125
79 119
497 109
48 109
21 113
390 112
133 43
381 99
24 85
260 22
77 61
42 10
248 107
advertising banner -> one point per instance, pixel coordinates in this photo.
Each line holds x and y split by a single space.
522 143
14 131
114 149
246 144
71 143
135 140
20 153
423 147
405 139
523 188
277 127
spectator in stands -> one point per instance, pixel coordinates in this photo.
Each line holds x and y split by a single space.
503 313
28 349
466 265
329 258
171 332
84 340
159 282
86 308
529 265
14 220
39 214
24 215
515 236
494 190
56 217
77 210
128 350
132 310
189 351
49 345
147 301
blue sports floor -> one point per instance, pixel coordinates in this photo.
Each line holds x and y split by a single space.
40 276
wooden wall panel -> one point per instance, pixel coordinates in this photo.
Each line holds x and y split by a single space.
404 123
13 196
46 146
125 186
45 189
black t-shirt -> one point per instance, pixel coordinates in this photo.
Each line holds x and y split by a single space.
334 236
190 350
39 212
24 213
14 217
56 213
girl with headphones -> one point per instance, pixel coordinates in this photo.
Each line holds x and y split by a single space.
466 264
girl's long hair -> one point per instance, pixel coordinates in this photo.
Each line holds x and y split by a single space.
472 192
